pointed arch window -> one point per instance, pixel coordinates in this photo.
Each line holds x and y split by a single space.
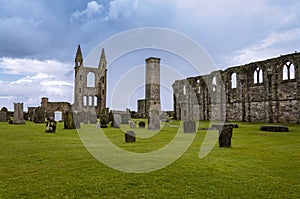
258 75
90 80
288 71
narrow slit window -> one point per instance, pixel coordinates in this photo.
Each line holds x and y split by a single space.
214 83
233 80
84 101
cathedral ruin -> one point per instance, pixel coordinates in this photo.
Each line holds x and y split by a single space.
262 91
90 87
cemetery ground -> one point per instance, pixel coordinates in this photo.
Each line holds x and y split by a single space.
260 164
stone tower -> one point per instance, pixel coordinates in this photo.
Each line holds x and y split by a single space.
152 90
90 86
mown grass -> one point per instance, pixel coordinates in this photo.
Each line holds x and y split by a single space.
259 164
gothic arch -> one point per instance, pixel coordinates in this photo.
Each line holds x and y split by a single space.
90 79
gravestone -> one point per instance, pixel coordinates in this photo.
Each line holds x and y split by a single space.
132 124
153 120
103 122
225 135
274 128
164 117
142 124
93 119
3 117
50 125
117 121
189 126
69 121
105 114
125 117
39 115
130 136
18 114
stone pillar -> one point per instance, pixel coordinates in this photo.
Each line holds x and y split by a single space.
18 114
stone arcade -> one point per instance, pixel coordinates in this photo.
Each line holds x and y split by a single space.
263 91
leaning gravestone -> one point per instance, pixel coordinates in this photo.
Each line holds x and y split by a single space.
142 124
18 114
117 121
189 126
225 135
69 121
3 117
130 136
153 120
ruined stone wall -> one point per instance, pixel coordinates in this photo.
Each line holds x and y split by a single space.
90 86
51 107
263 91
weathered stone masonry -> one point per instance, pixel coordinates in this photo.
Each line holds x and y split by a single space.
263 91
90 86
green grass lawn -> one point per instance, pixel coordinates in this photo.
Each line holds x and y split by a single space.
259 164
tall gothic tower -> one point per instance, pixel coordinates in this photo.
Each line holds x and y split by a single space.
90 86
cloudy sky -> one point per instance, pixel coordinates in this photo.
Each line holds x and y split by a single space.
38 39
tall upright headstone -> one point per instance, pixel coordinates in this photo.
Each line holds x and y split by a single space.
18 114
3 114
3 117
117 120
39 115
153 119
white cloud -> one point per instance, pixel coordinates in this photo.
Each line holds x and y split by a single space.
92 9
42 79
32 66
272 46
122 8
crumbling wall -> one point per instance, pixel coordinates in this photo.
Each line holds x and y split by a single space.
263 91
